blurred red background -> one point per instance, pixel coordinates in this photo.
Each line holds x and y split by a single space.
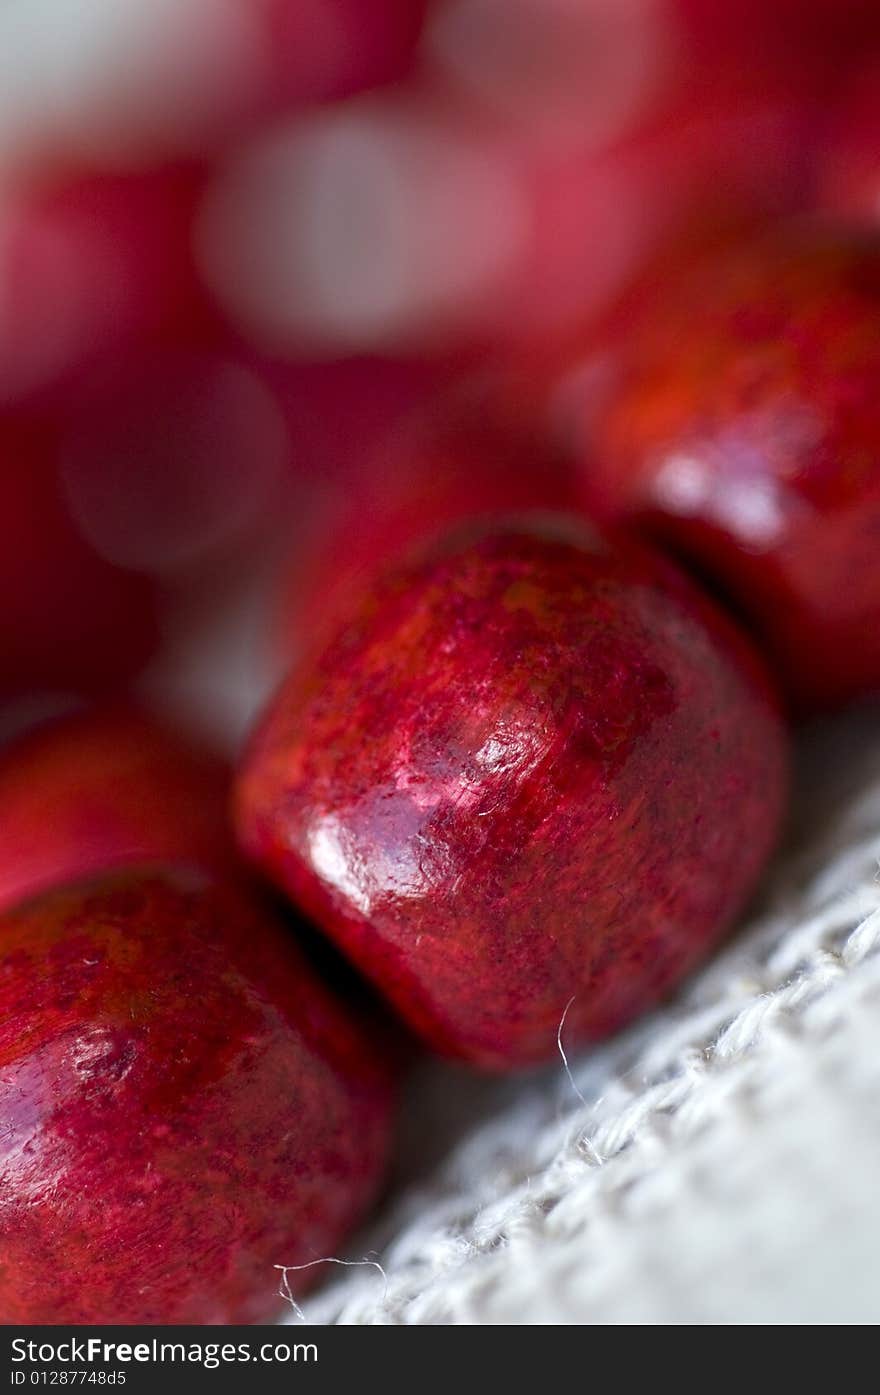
253 252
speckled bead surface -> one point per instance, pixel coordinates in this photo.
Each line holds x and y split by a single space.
745 433
536 770
184 1107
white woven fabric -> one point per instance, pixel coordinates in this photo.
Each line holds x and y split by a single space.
719 1163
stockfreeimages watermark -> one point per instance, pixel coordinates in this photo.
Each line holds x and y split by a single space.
87 1352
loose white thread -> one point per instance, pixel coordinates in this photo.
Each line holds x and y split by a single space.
284 1290
586 1143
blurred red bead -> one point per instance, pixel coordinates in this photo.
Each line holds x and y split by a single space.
341 412
741 144
473 455
800 37
565 383
172 454
68 618
105 789
745 433
848 159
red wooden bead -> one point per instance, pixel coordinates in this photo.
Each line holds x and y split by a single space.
745 433
185 1107
534 770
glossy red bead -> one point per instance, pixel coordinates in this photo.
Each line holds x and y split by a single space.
745 433
533 771
185 1107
